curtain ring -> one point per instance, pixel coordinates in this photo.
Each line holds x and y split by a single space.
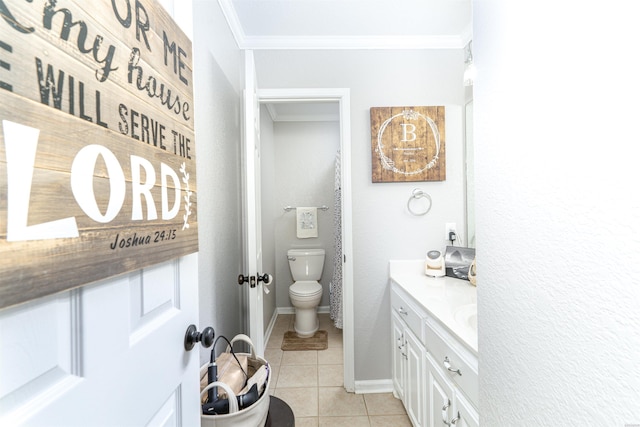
415 195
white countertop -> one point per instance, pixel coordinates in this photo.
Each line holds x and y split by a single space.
441 297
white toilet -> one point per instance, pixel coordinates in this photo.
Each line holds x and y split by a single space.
305 293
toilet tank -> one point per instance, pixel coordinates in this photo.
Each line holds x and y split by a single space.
306 264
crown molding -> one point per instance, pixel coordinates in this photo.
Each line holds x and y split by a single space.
351 42
231 16
338 42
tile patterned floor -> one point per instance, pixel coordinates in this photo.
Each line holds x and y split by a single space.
311 382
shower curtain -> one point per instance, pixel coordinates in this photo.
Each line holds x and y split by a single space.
335 287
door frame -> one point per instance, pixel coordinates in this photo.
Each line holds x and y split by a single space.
342 96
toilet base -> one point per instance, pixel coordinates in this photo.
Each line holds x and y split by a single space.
306 322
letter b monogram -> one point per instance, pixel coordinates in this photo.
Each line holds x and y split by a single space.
408 128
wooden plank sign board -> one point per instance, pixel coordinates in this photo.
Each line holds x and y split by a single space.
407 144
97 147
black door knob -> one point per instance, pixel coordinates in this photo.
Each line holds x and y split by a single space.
264 278
192 336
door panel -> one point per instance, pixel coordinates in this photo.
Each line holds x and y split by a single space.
414 385
169 413
154 296
398 355
439 395
468 416
40 349
107 354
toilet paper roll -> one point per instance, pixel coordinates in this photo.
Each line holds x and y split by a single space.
267 284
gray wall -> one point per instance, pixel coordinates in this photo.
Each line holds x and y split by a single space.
218 136
383 229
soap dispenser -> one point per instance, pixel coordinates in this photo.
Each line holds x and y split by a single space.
434 264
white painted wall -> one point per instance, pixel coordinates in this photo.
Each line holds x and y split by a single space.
383 229
302 164
214 35
558 209
218 136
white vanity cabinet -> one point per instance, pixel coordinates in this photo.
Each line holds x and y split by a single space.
452 379
446 404
408 356
435 363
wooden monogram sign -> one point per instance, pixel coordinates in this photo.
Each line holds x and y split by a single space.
97 149
407 144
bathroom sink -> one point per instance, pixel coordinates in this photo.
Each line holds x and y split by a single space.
467 315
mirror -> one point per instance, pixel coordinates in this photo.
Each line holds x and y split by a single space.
470 175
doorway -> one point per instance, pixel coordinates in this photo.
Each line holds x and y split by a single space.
318 99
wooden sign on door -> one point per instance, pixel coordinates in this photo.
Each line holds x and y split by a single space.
407 144
97 143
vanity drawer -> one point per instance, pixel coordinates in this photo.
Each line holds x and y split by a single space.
408 312
453 358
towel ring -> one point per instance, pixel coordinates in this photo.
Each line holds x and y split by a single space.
415 195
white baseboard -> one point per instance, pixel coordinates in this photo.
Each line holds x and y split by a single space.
373 386
272 322
292 310
285 310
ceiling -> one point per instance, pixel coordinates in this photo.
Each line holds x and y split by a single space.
345 24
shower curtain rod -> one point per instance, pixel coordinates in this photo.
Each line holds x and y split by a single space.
322 208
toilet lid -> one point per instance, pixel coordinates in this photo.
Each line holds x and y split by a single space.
305 287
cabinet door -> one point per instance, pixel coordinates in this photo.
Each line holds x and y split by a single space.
415 379
466 414
439 395
398 355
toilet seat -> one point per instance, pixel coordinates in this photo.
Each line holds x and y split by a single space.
305 288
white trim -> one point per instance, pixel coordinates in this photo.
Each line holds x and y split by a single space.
292 310
351 42
338 42
231 16
299 117
272 323
286 310
374 386
342 96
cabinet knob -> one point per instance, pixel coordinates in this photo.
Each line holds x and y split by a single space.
402 311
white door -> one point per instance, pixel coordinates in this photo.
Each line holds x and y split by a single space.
253 290
107 354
